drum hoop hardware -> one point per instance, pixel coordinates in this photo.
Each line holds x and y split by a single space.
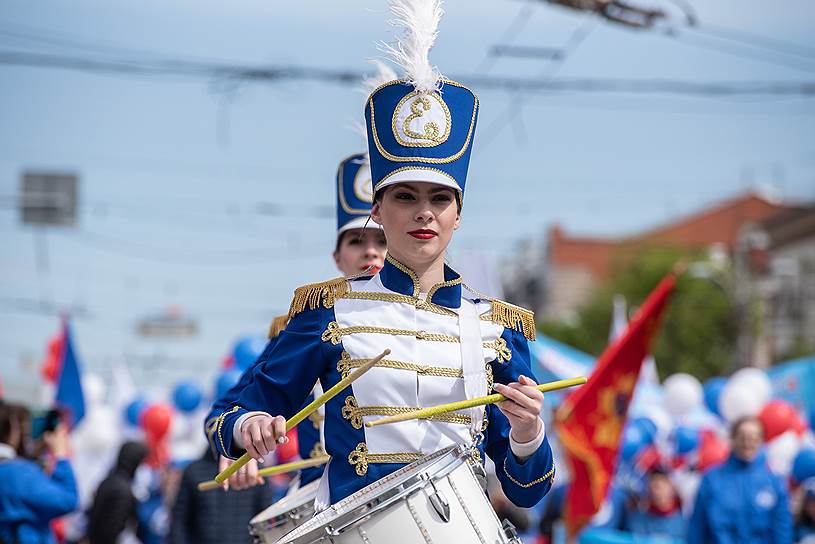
439 502
442 465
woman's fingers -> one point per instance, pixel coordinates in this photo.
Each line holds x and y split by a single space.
279 425
516 393
223 463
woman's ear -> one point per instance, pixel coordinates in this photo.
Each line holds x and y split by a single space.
336 255
457 224
375 215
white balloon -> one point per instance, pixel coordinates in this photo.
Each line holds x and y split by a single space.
738 399
682 394
93 388
99 430
781 452
757 381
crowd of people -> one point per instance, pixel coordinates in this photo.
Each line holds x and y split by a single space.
739 499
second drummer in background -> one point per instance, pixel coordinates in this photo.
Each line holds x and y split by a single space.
448 343
360 247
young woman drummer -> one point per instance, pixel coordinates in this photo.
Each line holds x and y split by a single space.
447 343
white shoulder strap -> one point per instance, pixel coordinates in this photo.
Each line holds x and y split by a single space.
472 361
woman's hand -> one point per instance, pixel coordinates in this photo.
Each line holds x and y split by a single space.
57 441
246 477
261 434
522 408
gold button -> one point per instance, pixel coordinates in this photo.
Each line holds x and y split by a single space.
421 305
420 335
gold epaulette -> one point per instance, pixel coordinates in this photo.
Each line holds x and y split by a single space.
323 294
277 326
514 317
508 315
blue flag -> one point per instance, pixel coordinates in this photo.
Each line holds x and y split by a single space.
69 386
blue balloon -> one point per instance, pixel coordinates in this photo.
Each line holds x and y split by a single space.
633 441
226 380
134 410
187 396
803 467
647 427
247 350
712 390
686 439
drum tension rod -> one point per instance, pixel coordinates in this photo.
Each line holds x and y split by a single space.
439 503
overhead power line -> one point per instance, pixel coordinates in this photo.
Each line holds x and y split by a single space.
278 73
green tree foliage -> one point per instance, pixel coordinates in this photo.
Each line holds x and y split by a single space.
698 333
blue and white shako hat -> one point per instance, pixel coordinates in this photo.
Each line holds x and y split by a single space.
354 191
421 127
354 194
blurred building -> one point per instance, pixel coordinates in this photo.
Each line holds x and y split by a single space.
774 271
573 266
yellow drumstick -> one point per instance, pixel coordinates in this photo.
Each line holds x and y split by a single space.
271 471
307 411
427 413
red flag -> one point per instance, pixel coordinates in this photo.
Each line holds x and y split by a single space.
591 419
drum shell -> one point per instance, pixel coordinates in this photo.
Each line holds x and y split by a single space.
411 517
286 514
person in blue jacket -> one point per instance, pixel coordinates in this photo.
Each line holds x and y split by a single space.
659 513
29 498
447 341
742 501
360 247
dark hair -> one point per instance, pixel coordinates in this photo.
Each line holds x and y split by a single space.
8 422
734 428
658 471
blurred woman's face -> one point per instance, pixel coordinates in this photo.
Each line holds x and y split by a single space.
747 440
419 219
360 250
661 492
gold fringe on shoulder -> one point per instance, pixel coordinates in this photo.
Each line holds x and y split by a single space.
509 315
514 317
318 294
277 326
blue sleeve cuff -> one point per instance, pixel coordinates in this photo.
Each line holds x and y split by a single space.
222 433
526 482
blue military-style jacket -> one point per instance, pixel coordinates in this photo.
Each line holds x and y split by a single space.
338 325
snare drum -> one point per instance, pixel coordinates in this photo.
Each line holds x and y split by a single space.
434 500
289 512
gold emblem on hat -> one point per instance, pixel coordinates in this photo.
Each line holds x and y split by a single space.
421 120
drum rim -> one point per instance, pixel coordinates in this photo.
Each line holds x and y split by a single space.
275 521
346 520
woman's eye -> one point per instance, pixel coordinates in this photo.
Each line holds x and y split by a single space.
404 196
442 198
354 241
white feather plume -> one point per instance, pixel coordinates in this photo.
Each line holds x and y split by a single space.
419 20
384 74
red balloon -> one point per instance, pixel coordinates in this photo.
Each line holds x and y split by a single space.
777 417
156 420
712 451
799 425
288 451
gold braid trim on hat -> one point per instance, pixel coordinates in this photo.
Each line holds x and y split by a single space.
314 295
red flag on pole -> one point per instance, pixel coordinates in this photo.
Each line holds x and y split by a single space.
591 418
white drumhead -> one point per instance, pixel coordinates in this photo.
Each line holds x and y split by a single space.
291 501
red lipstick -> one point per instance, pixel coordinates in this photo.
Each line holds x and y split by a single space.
423 234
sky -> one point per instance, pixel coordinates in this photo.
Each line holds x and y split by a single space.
175 171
